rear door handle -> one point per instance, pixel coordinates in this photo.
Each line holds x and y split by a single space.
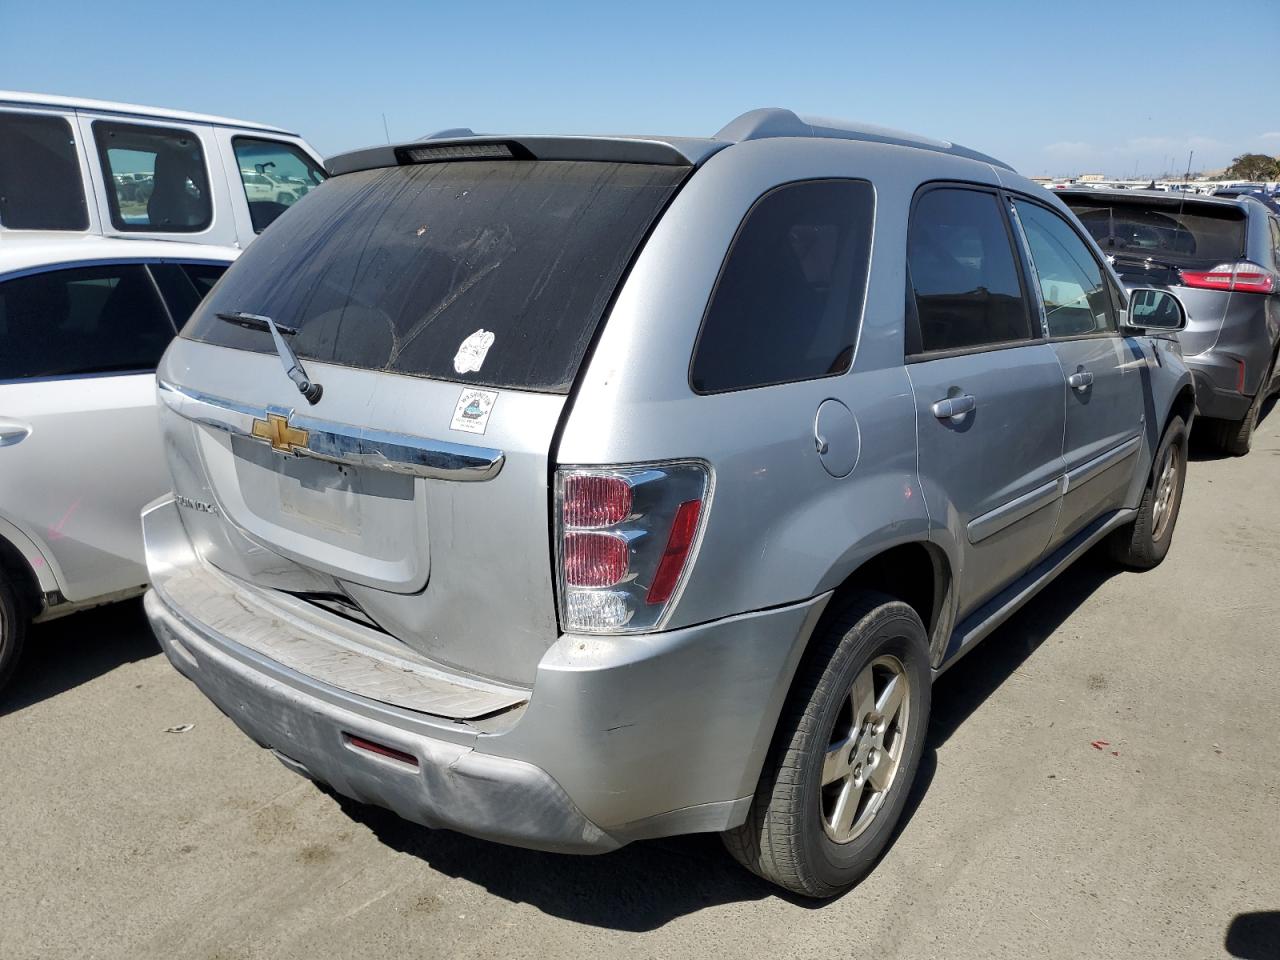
11 433
1080 380
953 407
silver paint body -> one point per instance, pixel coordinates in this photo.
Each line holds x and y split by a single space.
80 456
612 738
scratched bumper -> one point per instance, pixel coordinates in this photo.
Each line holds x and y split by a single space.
621 739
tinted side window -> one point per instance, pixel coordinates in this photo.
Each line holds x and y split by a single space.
156 178
40 184
1075 296
183 285
275 176
787 304
962 272
83 320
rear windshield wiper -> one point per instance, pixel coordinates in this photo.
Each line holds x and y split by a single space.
292 365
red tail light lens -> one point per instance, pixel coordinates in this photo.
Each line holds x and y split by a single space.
595 501
1244 277
626 537
594 559
670 567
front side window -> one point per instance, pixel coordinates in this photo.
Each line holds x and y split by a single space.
789 298
84 320
40 183
963 276
1072 288
275 175
156 178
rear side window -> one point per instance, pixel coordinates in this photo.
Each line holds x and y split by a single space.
1074 293
789 297
156 178
40 183
486 272
183 285
275 176
1182 231
99 319
963 277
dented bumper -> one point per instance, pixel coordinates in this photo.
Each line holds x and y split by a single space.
618 739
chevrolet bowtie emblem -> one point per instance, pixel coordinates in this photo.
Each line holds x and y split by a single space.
277 432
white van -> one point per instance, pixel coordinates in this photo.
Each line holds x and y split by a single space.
112 169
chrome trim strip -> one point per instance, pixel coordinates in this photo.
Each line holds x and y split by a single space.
340 442
1092 468
994 521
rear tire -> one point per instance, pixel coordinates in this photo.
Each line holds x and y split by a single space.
817 839
13 630
1235 437
1142 544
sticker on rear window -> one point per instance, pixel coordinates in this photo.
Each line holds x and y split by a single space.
471 415
470 356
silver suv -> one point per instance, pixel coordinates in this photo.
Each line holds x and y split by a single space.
570 491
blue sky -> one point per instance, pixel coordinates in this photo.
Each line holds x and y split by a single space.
1054 88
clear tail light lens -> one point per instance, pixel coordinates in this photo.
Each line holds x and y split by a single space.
1244 277
625 540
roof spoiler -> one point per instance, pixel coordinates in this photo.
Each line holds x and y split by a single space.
766 123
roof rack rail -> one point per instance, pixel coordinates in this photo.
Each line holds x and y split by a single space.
769 122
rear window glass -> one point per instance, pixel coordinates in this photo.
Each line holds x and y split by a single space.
40 184
1183 232
487 272
789 297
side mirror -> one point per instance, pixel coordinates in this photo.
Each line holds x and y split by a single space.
1155 310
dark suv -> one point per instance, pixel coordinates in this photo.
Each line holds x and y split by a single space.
1221 256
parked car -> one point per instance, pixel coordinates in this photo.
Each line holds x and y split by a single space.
1222 258
83 323
570 491
1253 193
88 167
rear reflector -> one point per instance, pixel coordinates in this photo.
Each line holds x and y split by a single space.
1243 277
595 559
381 749
670 567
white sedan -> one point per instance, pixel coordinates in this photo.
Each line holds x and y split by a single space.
83 322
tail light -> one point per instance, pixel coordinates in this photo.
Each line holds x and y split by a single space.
1244 277
625 540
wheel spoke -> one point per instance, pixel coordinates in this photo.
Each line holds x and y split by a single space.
835 765
864 698
891 699
846 809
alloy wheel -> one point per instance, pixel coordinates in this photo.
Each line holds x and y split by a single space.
865 751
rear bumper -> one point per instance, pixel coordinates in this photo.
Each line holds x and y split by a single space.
1216 377
620 739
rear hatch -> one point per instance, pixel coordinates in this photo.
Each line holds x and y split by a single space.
444 309
1152 240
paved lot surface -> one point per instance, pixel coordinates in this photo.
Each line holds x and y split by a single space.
121 840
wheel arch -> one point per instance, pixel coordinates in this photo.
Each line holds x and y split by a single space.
17 569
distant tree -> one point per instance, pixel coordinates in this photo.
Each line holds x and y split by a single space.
1254 166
